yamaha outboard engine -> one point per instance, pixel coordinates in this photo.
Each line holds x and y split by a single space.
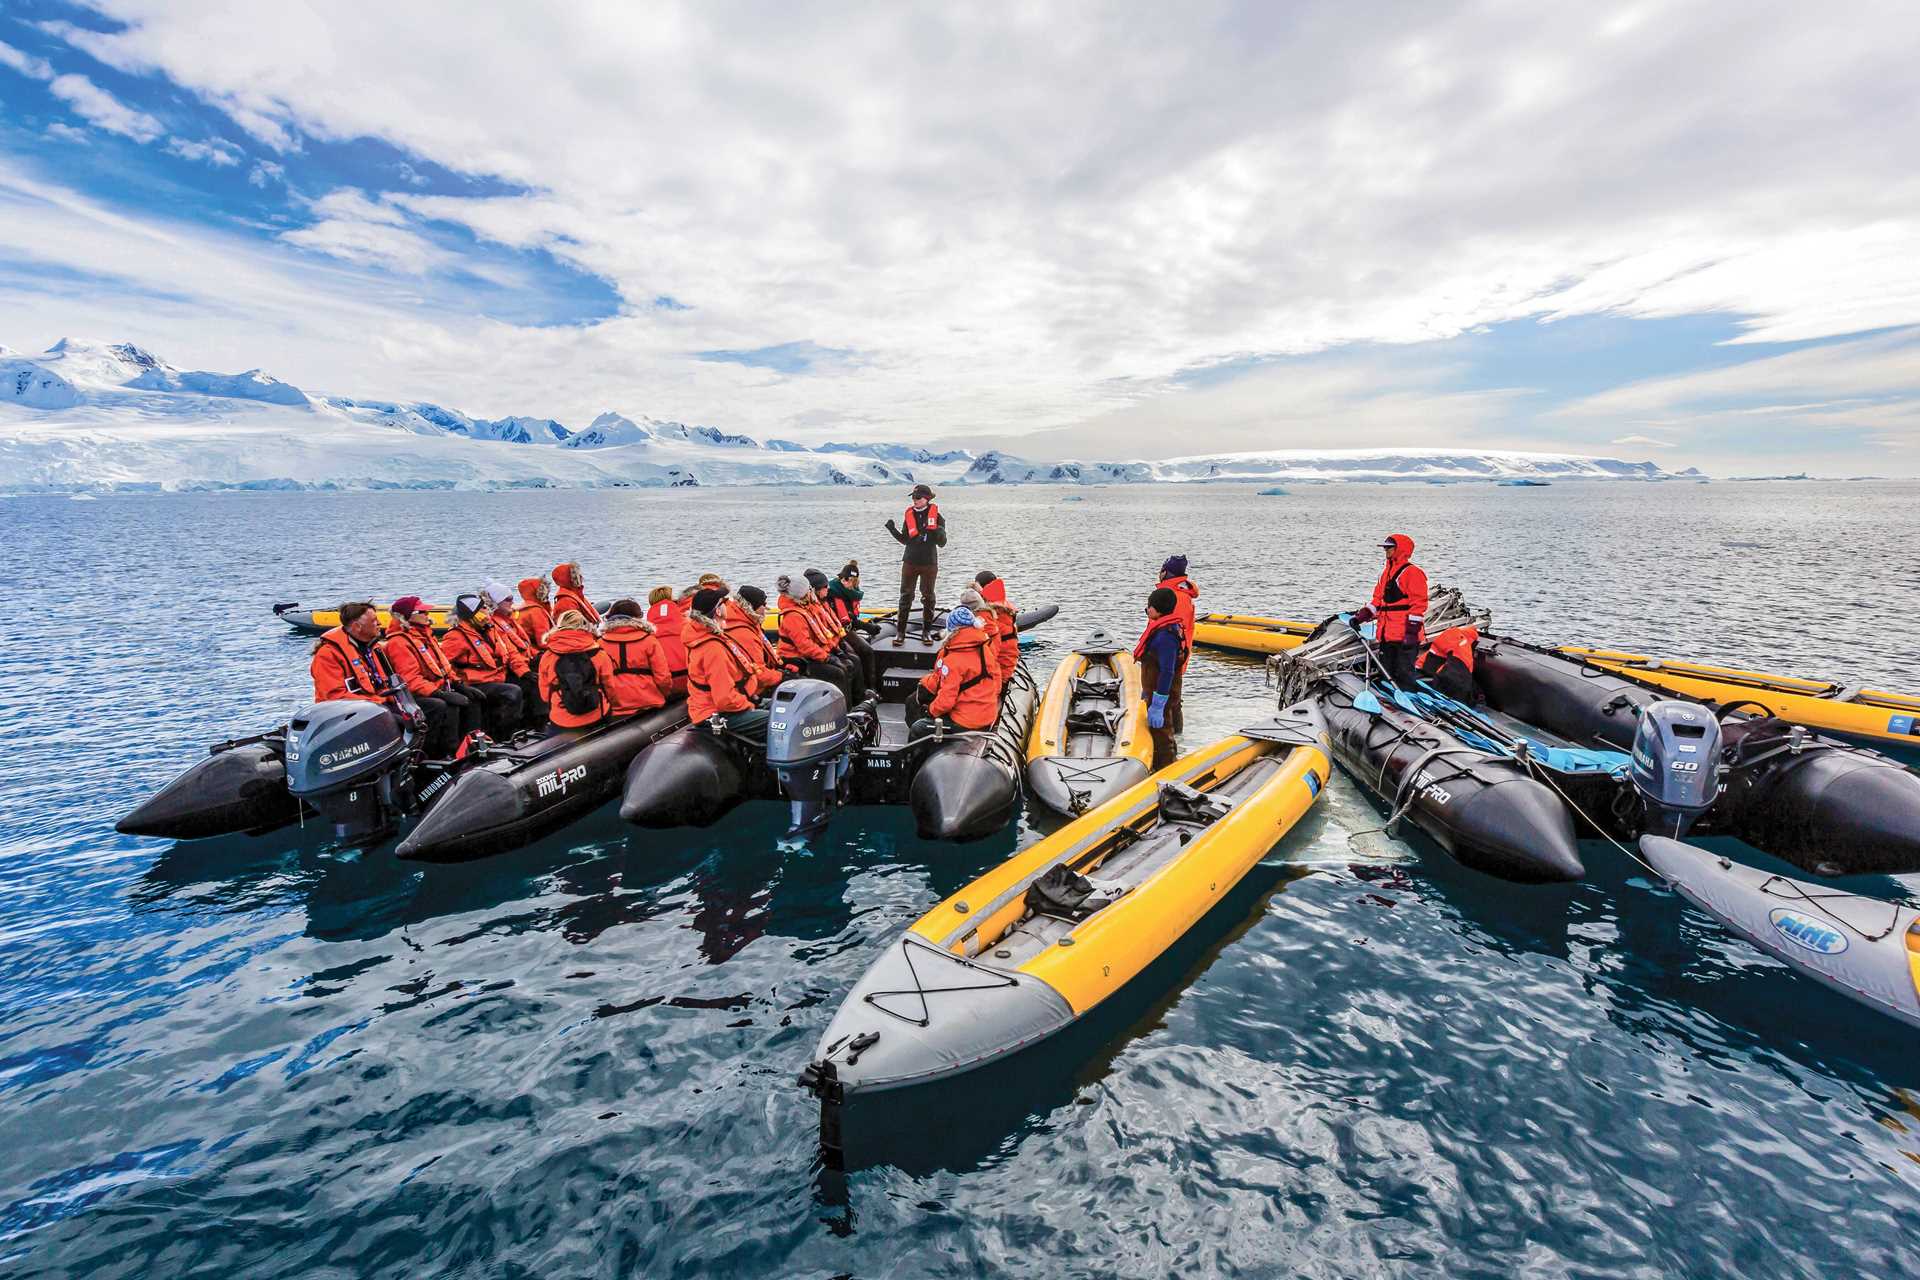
809 748
349 760
1676 764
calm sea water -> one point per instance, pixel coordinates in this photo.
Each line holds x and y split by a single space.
265 1057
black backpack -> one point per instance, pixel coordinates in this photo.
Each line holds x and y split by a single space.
578 682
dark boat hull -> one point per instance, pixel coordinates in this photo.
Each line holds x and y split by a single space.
1484 811
235 790
521 794
1830 807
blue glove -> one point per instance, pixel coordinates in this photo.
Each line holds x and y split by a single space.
1157 711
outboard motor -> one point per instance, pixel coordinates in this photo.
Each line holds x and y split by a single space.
349 760
1676 764
809 748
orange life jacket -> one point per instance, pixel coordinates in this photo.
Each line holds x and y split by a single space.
911 524
720 675
511 645
669 618
641 680
800 635
1183 595
1400 597
963 683
567 595
745 630
474 656
416 657
533 618
1158 624
341 672
1455 644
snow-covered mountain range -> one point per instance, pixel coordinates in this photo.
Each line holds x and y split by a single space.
91 416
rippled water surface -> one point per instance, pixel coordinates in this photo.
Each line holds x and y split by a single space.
268 1057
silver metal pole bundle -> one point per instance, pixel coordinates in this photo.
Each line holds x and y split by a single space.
1340 647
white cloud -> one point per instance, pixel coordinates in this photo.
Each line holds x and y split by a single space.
265 171
67 133
358 230
213 151
102 110
25 63
1035 219
1644 441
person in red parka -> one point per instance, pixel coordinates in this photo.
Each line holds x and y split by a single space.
805 646
641 677
1448 662
575 675
347 663
523 660
743 617
479 660
1003 621
417 659
1173 576
570 592
721 676
963 688
1398 610
669 619
533 615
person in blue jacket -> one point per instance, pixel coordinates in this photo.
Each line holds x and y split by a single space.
1162 646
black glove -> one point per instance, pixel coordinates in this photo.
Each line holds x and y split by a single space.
892 527
1363 615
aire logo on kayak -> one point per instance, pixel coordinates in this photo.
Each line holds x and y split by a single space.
1805 931
559 780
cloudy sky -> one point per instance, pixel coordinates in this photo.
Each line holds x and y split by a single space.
1688 232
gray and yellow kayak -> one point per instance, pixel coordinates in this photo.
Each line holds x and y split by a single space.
1865 948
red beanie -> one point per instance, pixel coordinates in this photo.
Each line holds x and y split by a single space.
406 606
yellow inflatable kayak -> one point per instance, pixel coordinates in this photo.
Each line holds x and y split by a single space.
1246 633
1037 942
313 622
1817 704
1089 740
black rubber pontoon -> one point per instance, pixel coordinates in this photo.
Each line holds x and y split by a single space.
519 793
1483 810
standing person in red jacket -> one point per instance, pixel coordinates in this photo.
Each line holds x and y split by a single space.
641 677
923 531
1159 653
1173 576
1398 610
534 616
669 619
570 592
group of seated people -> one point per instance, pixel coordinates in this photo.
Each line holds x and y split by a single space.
551 661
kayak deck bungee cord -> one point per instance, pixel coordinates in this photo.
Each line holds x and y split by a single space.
1090 739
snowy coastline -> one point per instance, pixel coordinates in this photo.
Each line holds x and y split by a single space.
97 417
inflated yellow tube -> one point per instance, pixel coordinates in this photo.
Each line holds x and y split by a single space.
1817 704
1049 734
1248 633
1118 941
